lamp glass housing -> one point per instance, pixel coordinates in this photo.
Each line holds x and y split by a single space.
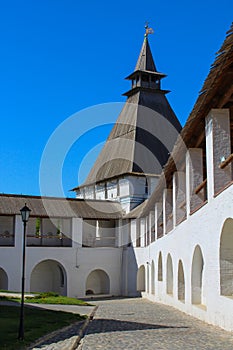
25 212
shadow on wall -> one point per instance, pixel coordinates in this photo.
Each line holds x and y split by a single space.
3 279
129 273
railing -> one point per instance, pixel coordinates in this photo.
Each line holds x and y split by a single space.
152 234
227 161
96 242
7 240
160 229
200 187
138 242
49 240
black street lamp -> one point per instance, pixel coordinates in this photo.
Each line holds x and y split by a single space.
25 212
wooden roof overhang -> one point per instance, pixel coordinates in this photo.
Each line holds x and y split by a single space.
136 73
147 89
10 204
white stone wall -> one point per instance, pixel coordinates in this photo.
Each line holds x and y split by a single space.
90 192
75 262
195 270
112 189
203 229
100 191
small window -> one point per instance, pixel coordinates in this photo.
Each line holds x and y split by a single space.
146 187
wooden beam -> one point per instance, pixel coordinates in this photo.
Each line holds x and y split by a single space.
229 159
200 187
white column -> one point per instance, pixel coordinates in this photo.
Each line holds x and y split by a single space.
142 232
174 200
159 219
133 231
152 226
194 178
218 148
167 211
156 221
164 211
118 233
77 232
179 183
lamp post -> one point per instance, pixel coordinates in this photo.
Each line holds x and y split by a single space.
25 212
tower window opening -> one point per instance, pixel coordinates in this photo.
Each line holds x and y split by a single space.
145 78
146 187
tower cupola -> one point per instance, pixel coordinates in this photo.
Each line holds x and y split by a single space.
145 75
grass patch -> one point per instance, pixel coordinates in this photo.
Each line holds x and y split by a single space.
37 322
48 298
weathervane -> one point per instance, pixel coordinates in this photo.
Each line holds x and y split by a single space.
148 30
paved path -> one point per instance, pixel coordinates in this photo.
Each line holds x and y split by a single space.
137 324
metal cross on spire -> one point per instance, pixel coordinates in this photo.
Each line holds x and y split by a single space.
148 30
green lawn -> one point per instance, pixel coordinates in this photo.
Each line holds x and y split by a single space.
47 298
38 322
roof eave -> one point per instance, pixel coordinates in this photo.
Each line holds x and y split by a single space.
140 88
136 72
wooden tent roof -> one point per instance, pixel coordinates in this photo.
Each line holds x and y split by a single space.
145 60
136 142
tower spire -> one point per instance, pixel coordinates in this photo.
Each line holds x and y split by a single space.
145 74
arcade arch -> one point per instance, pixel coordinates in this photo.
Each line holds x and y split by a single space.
226 258
160 267
97 282
169 275
49 276
197 276
141 275
3 279
181 282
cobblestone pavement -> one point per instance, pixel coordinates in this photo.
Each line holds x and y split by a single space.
63 340
137 324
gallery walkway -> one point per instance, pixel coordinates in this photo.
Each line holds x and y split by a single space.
137 324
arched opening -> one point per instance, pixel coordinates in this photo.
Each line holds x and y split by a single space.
147 277
141 279
160 268
152 277
197 275
169 275
3 279
181 282
97 282
49 276
226 259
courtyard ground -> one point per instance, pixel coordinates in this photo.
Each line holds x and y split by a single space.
137 324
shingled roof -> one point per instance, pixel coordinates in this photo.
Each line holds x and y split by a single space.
59 207
145 60
144 132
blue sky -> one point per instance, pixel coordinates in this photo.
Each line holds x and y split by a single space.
59 57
